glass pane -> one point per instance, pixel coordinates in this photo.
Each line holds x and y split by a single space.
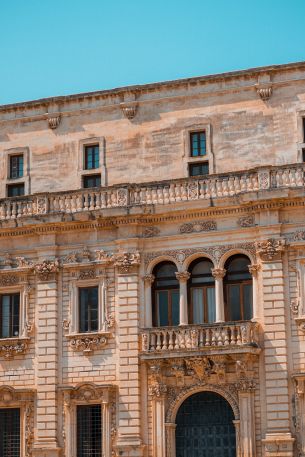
175 296
234 302
93 308
83 310
211 305
202 268
89 431
237 268
15 318
165 270
10 432
197 301
247 298
162 306
5 316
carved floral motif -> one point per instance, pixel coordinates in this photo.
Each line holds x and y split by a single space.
125 261
88 343
54 121
9 349
246 221
270 249
198 226
183 276
87 274
218 273
149 232
8 280
44 269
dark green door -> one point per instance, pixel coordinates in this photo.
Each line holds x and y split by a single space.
205 427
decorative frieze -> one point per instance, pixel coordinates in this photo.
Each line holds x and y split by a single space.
87 274
198 226
8 280
46 268
271 249
10 347
151 231
87 343
246 221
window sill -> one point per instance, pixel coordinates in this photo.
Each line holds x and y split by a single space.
88 341
10 347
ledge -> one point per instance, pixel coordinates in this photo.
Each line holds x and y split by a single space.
88 342
10 347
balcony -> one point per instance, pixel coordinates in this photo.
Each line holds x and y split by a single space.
205 339
160 193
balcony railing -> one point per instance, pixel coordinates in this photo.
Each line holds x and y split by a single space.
161 193
200 337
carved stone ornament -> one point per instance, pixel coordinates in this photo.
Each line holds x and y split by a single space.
218 273
54 121
22 262
149 279
270 249
89 342
8 280
199 226
110 322
66 324
125 261
129 109
11 347
200 366
299 235
87 274
103 256
157 390
264 92
46 268
254 269
245 385
149 232
183 276
246 221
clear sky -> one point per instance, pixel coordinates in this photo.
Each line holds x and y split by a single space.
58 47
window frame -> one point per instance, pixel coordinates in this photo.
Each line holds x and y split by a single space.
101 170
16 185
200 285
25 179
90 176
198 133
162 288
11 315
20 425
23 310
187 147
89 310
85 158
11 157
78 435
201 163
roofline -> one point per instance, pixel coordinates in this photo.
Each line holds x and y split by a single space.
154 86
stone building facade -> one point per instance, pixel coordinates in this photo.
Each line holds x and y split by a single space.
152 270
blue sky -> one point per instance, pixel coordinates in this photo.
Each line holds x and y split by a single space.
61 47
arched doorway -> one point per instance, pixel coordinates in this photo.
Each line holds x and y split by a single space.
205 427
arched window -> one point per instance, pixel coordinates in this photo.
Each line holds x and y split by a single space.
165 295
238 289
201 292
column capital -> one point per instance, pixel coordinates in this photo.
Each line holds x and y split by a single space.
183 276
254 269
218 273
148 280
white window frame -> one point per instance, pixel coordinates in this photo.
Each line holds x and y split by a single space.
100 142
187 158
23 310
25 179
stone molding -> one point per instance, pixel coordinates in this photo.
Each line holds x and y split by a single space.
198 226
264 93
129 109
54 121
88 342
46 269
246 221
271 249
11 347
126 261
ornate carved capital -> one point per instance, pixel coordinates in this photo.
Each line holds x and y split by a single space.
183 276
46 268
270 249
11 347
218 273
125 261
148 280
245 385
157 390
54 121
254 269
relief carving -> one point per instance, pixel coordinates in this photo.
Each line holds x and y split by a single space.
88 343
9 349
270 249
46 268
149 232
125 261
246 221
198 226
8 280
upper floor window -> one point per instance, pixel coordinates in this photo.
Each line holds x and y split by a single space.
10 432
198 144
88 309
16 166
15 190
91 181
303 129
9 315
89 431
198 168
91 157
165 296
201 292
238 289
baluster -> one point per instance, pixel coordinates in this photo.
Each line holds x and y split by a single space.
202 187
178 192
226 336
300 177
170 340
218 188
103 200
213 190
194 338
86 202
73 203
152 342
68 204
158 348
97 200
231 186
243 183
166 195
213 341
8 210
249 183
279 178
154 196
172 193
219 337
2 212
237 184
62 206
188 340
14 210
20 206
233 335
183 192
160 196
177 339
29 208
293 177
208 337
286 178
164 340
147 196
255 185
201 338
225 187
91 200
238 336
113 199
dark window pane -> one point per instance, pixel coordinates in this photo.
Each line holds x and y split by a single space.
197 169
92 181
15 190
163 307
10 432
89 431
16 166
9 316
91 157
198 144
234 302
247 300
175 307
88 309
303 129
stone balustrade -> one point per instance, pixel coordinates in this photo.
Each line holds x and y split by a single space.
160 193
200 337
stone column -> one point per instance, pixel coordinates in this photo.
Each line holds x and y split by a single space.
219 274
183 311
253 269
148 282
45 442
158 391
170 438
300 411
106 426
247 447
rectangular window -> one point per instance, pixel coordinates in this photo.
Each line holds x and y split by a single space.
16 166
15 190
9 316
88 309
303 129
10 432
91 157
199 168
198 144
92 181
89 431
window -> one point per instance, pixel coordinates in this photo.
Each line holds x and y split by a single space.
88 309
238 289
91 157
303 129
91 181
9 315
10 432
165 298
198 144
16 166
89 431
201 291
15 190
198 168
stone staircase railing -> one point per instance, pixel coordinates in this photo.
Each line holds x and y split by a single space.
161 193
157 340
